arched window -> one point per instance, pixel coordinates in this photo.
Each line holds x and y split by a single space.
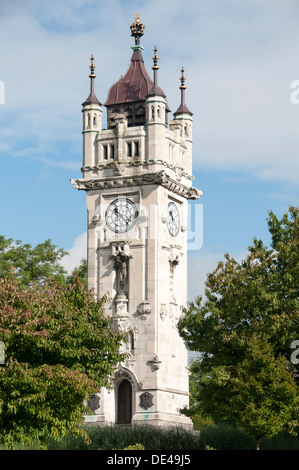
153 113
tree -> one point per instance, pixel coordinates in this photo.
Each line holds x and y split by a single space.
80 272
31 264
257 298
264 392
59 350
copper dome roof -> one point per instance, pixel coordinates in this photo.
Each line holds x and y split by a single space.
135 85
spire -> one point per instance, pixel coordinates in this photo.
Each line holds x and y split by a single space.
92 99
137 29
182 109
156 90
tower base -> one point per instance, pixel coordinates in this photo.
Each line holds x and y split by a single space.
162 420
154 419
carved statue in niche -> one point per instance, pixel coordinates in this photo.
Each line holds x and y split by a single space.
121 255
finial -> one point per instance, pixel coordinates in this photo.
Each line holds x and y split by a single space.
137 29
155 59
182 109
155 69
92 99
182 78
92 67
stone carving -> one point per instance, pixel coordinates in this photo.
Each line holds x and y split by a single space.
154 363
174 312
121 255
163 311
160 177
155 178
174 262
122 319
122 372
130 362
119 168
146 400
134 163
93 402
143 310
176 247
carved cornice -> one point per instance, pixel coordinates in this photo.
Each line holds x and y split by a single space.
160 178
121 165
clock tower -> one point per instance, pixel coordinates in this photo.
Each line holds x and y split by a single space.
137 175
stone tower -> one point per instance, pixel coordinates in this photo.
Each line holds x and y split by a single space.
137 175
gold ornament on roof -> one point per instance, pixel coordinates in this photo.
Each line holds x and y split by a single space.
155 58
92 67
182 78
137 29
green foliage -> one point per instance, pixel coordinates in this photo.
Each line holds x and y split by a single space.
226 437
31 264
80 272
59 348
265 393
121 437
220 437
244 331
135 447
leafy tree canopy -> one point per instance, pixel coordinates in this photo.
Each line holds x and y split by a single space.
59 349
254 300
31 264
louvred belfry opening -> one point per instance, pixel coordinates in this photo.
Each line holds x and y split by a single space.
128 95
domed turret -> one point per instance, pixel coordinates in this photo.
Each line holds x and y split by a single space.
128 95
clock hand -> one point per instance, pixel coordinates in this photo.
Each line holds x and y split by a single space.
125 219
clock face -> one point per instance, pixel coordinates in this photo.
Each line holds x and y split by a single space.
173 221
121 215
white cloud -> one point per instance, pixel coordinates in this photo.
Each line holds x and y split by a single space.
200 265
240 60
76 253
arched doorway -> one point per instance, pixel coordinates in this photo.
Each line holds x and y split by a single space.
124 403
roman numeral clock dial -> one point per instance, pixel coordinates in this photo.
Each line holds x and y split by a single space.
173 221
121 215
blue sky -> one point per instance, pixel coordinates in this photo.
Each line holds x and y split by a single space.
240 58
